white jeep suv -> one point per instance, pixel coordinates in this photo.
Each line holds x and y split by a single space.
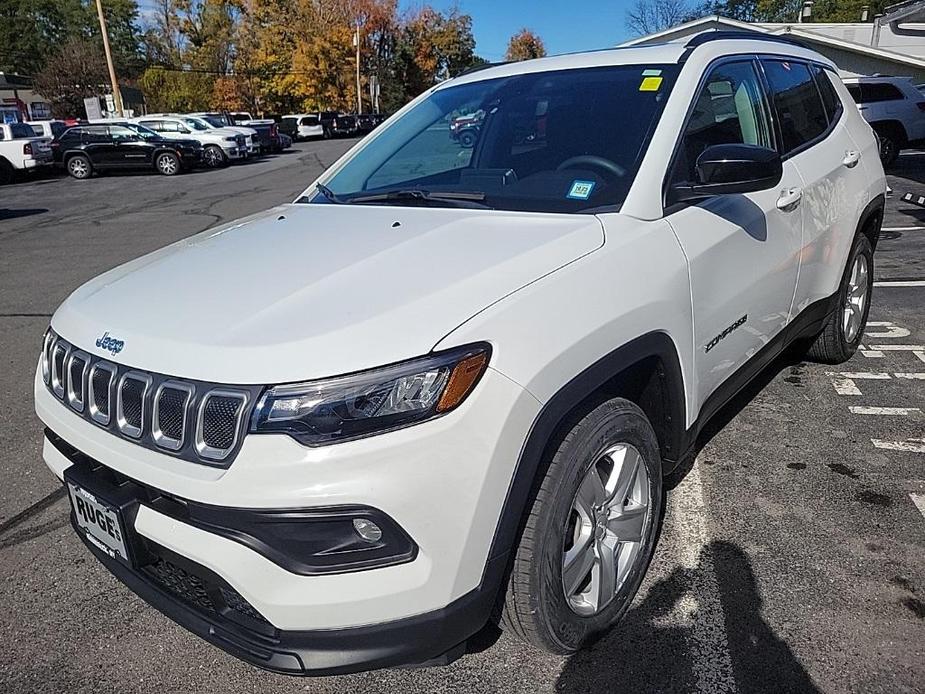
895 109
447 382
220 146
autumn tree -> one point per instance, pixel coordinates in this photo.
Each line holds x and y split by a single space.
524 45
76 71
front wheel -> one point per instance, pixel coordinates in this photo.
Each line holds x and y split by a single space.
167 163
890 141
214 157
79 166
844 327
590 532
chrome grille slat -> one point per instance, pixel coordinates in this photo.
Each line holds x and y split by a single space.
59 354
78 364
100 384
218 422
196 421
171 406
130 403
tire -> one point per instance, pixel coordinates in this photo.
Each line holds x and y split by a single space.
167 164
214 157
538 607
79 167
891 141
844 328
467 138
6 172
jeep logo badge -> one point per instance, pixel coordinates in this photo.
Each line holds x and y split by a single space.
110 344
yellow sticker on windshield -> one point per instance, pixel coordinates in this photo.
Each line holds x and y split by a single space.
650 84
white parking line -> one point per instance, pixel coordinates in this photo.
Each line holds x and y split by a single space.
701 604
899 348
920 355
886 411
919 376
919 501
909 445
890 332
900 283
902 229
844 383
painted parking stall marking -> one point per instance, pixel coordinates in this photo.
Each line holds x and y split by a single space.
884 411
909 445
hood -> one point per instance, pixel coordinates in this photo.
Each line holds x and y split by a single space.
305 291
226 131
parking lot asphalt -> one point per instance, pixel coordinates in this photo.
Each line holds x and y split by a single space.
792 556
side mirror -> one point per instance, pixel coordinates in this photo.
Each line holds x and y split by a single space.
726 169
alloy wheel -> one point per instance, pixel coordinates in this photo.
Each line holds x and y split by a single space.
606 526
78 167
856 298
167 165
214 157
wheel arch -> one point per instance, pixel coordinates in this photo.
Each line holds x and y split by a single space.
891 124
871 219
646 371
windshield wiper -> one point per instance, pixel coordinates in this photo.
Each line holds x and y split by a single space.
327 192
461 198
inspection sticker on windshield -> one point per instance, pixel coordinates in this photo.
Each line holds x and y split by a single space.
650 84
580 190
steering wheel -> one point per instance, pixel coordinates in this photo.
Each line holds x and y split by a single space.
592 161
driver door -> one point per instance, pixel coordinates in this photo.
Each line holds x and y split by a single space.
743 250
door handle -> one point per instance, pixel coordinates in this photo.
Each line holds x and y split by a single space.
789 199
851 159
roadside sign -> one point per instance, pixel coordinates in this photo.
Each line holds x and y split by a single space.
92 107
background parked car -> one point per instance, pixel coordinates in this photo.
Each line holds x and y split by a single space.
83 149
302 126
21 150
465 129
220 146
337 124
267 131
47 128
895 109
250 135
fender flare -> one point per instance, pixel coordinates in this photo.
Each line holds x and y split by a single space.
557 408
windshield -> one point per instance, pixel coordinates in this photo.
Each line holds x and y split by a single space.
563 141
217 121
196 124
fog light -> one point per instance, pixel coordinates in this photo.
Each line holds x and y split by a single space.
368 530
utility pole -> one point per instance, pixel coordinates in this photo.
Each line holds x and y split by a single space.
356 40
116 94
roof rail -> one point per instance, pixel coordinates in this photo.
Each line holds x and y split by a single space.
707 36
483 66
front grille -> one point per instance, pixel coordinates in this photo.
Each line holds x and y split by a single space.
151 409
192 590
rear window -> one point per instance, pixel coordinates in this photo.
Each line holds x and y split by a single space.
21 130
801 113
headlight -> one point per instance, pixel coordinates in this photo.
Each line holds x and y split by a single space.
371 402
231 139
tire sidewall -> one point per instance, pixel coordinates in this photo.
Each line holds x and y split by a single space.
214 156
861 246
608 424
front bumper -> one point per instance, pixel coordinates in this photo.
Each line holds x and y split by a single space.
345 621
234 151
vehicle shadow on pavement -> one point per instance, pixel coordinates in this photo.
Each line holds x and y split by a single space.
6 213
645 648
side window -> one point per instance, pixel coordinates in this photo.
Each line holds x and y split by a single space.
830 99
855 91
120 132
800 112
95 134
730 109
153 124
873 92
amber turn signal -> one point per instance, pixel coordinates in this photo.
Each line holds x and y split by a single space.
462 379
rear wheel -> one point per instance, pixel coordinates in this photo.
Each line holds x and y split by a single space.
590 532
214 157
79 166
891 141
167 163
844 328
467 138
6 172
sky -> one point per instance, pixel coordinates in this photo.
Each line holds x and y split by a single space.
564 25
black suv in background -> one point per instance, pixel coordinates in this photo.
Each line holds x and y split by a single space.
337 124
83 149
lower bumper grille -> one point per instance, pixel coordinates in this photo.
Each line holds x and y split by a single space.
197 593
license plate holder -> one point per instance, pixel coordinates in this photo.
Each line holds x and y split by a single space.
99 521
